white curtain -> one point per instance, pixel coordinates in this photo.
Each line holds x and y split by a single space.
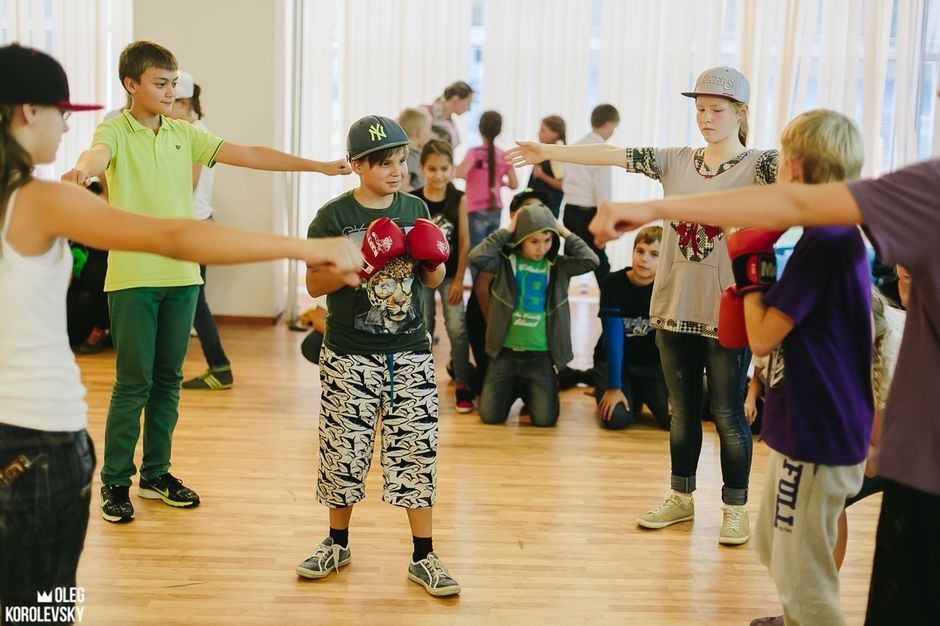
535 60
87 37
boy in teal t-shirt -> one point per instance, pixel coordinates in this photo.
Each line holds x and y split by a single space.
529 331
148 158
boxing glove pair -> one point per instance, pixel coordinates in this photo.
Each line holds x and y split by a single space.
384 240
754 264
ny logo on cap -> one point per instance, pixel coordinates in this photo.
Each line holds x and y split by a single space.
376 132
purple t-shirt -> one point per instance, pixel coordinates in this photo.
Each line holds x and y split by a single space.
901 212
819 397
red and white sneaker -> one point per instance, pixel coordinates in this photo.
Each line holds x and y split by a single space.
466 400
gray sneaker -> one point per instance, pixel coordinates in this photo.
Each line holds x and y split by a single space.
328 557
735 526
670 512
431 573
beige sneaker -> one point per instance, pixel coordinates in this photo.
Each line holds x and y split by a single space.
670 512
735 527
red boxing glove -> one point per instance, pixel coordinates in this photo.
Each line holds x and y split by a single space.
732 331
752 259
427 244
383 242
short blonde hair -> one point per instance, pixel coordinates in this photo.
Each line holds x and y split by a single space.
412 120
827 144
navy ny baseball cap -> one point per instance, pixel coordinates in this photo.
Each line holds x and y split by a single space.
373 133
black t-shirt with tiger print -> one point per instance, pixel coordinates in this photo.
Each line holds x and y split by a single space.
384 314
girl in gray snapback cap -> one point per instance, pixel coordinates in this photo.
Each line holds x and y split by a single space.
694 269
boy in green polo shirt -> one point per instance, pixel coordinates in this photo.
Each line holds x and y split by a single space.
149 159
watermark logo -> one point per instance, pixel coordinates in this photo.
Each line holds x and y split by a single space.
58 606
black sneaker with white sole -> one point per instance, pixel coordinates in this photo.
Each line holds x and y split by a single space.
116 504
168 488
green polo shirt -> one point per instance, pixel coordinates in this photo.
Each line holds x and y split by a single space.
152 174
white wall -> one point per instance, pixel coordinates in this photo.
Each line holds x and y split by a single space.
233 49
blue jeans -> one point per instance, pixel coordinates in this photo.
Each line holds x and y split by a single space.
43 511
482 224
684 357
455 323
512 374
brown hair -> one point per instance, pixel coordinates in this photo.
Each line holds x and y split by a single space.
491 125
741 110
650 234
460 89
374 158
436 146
16 163
827 144
604 113
140 55
556 124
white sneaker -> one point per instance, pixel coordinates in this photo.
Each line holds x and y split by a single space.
735 526
672 511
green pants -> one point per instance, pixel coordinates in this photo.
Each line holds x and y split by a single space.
150 329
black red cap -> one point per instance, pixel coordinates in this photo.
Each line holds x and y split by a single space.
29 76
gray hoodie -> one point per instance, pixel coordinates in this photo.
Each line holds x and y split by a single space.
497 254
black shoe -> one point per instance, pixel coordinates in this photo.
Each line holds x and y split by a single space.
568 378
116 505
98 339
168 488
450 369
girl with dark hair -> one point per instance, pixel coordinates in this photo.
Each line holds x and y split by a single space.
46 456
547 176
486 171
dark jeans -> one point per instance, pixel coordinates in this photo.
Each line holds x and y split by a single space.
905 577
641 384
43 512
684 357
476 335
205 327
512 374
576 219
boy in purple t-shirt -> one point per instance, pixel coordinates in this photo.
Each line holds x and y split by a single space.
815 324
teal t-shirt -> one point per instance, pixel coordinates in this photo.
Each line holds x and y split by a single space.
527 328
384 314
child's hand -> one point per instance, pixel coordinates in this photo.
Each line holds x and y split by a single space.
750 409
526 153
511 227
613 219
339 167
77 177
609 401
337 254
455 293
562 229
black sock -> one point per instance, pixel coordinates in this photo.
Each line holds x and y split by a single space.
423 547
340 537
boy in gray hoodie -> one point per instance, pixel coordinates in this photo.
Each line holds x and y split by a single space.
529 331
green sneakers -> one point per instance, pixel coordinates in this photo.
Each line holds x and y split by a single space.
735 526
431 573
213 379
328 557
675 509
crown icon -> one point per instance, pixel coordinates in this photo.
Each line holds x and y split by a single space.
44 598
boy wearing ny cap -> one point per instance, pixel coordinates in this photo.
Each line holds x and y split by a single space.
694 268
376 363
149 160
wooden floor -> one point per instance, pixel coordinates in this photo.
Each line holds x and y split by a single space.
537 525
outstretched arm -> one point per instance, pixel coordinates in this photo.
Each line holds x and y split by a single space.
264 158
531 153
58 210
773 207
